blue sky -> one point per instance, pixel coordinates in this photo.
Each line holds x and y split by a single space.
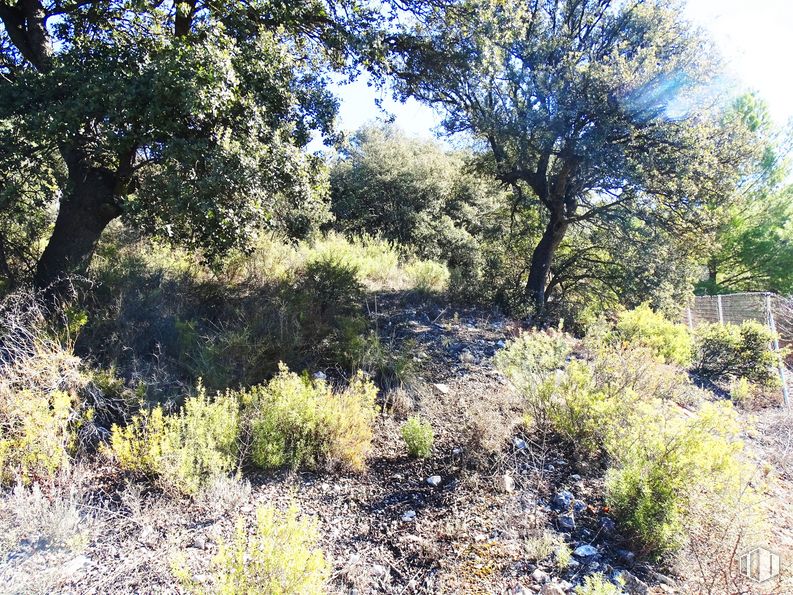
754 37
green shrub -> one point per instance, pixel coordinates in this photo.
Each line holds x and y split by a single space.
597 584
665 466
36 434
186 450
281 557
667 341
418 436
533 356
735 351
300 422
427 276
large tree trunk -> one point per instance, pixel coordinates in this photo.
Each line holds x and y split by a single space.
542 258
87 206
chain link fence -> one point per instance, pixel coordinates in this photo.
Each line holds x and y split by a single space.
769 309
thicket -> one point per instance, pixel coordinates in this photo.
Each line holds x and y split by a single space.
669 474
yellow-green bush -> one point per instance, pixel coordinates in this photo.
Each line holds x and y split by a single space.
36 433
300 422
427 276
533 356
665 466
280 557
735 351
597 584
418 436
185 450
667 341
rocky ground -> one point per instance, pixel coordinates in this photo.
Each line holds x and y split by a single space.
473 518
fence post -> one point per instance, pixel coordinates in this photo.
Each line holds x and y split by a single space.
772 326
721 312
690 319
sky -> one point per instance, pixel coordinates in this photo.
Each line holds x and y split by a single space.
755 38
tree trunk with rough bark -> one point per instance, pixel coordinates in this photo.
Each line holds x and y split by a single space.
542 257
86 208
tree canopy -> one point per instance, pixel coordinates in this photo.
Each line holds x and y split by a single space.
587 107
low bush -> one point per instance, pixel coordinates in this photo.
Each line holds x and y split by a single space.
187 450
418 436
280 557
666 466
427 276
534 355
735 351
667 341
597 584
299 422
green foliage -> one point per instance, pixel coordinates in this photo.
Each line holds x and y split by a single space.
534 355
36 434
414 194
280 557
665 464
667 341
427 276
737 351
556 142
597 584
302 423
418 436
186 450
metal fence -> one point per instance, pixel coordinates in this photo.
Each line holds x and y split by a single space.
769 309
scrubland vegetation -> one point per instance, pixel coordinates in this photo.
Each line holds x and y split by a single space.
229 364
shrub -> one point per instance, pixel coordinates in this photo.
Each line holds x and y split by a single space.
665 466
300 422
187 450
37 436
736 351
280 557
418 436
534 355
667 341
597 584
427 276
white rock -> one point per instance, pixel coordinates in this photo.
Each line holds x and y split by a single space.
442 388
434 480
551 589
506 483
585 551
379 570
540 576
409 516
75 564
519 443
320 376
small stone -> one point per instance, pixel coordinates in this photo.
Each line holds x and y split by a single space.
575 477
76 564
519 443
550 468
500 344
441 388
551 589
608 525
199 542
579 506
562 500
626 557
520 590
354 559
320 376
663 579
409 516
379 570
540 576
434 480
467 357
506 484
585 551
457 451
631 583
566 522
